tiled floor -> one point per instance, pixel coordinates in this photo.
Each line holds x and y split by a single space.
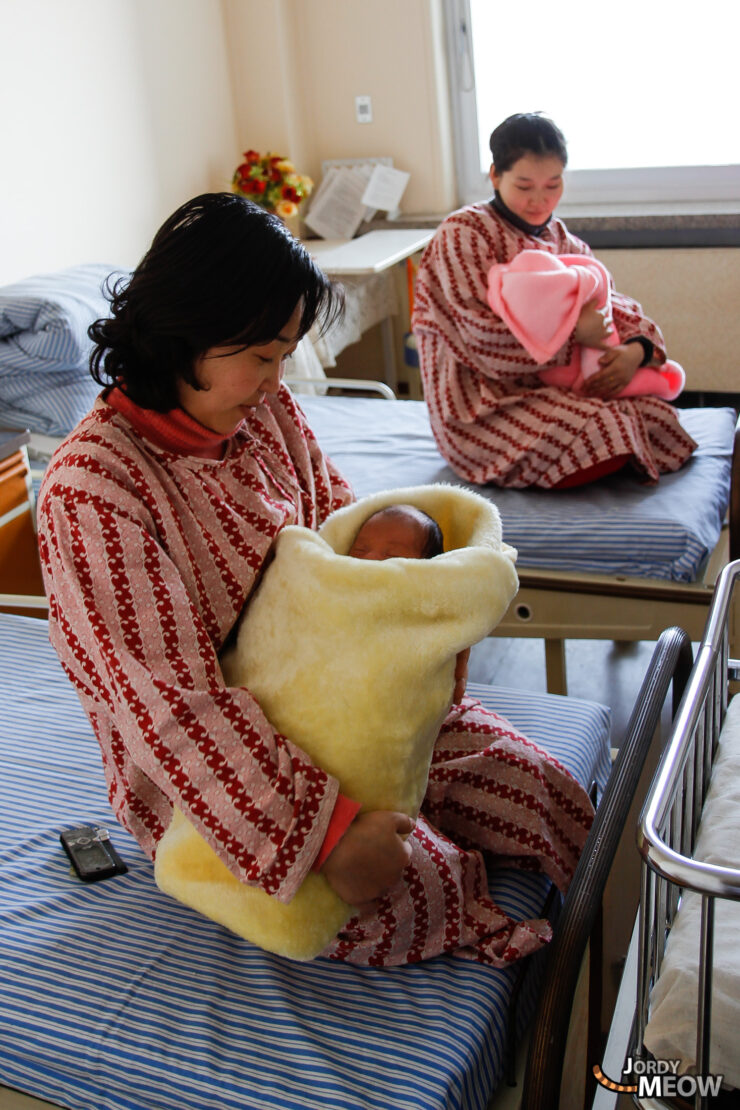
598 670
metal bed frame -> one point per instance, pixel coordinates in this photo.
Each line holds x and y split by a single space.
670 821
666 837
577 934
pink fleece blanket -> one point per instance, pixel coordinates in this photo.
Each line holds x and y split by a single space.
539 297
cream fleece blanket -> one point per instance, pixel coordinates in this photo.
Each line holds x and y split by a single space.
354 661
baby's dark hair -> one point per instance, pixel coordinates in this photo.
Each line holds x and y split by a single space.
526 133
434 543
221 271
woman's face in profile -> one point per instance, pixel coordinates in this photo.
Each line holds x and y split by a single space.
532 187
235 379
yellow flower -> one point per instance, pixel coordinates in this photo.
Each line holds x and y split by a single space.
286 208
285 166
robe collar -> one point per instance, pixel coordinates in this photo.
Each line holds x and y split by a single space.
175 430
504 210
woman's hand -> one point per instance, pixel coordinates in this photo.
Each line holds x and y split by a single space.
370 857
618 367
461 676
594 326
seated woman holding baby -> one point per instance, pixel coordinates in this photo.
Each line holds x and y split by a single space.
503 403
157 517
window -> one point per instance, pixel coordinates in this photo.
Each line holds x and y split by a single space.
648 103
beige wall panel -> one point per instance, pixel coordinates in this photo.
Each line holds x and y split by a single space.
327 52
694 295
267 108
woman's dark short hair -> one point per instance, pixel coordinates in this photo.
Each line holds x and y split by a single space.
526 133
221 271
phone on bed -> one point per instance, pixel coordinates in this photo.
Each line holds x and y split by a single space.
91 853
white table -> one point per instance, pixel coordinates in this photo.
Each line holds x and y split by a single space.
368 254
365 257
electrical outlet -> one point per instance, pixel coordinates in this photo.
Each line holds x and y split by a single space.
364 109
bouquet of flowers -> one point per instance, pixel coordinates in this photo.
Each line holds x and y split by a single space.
272 182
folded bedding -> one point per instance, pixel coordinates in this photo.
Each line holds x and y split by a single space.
45 382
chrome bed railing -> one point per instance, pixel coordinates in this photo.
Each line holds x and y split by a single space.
669 824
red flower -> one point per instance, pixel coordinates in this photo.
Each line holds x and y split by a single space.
252 155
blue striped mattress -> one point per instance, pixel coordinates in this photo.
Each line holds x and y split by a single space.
665 531
114 997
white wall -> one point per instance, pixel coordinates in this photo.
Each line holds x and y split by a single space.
114 112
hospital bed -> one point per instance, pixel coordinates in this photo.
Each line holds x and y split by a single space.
616 560
112 996
680 999
115 997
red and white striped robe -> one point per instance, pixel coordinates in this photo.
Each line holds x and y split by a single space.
492 418
148 558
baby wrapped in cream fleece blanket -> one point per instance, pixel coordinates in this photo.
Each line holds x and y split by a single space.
354 661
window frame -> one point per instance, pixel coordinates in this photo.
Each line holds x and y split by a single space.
644 190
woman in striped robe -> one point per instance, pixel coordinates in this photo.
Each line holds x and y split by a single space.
492 418
156 517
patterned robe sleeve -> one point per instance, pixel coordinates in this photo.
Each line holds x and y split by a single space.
630 321
629 318
143 662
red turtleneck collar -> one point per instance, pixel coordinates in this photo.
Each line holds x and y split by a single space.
175 430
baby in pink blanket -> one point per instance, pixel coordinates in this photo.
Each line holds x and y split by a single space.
539 297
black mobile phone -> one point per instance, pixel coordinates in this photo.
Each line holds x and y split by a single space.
91 853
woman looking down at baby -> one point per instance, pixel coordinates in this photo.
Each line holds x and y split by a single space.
156 517
493 416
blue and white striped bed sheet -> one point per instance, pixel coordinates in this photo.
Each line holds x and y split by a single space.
114 997
665 531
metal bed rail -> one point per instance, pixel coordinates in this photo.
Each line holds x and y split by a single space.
579 918
669 823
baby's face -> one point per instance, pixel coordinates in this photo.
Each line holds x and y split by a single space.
390 537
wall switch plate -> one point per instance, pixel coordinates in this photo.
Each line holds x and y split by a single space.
364 109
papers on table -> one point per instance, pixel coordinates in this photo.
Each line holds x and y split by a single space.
350 192
385 188
337 209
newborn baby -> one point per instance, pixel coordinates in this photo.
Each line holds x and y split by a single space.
398 531
356 664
